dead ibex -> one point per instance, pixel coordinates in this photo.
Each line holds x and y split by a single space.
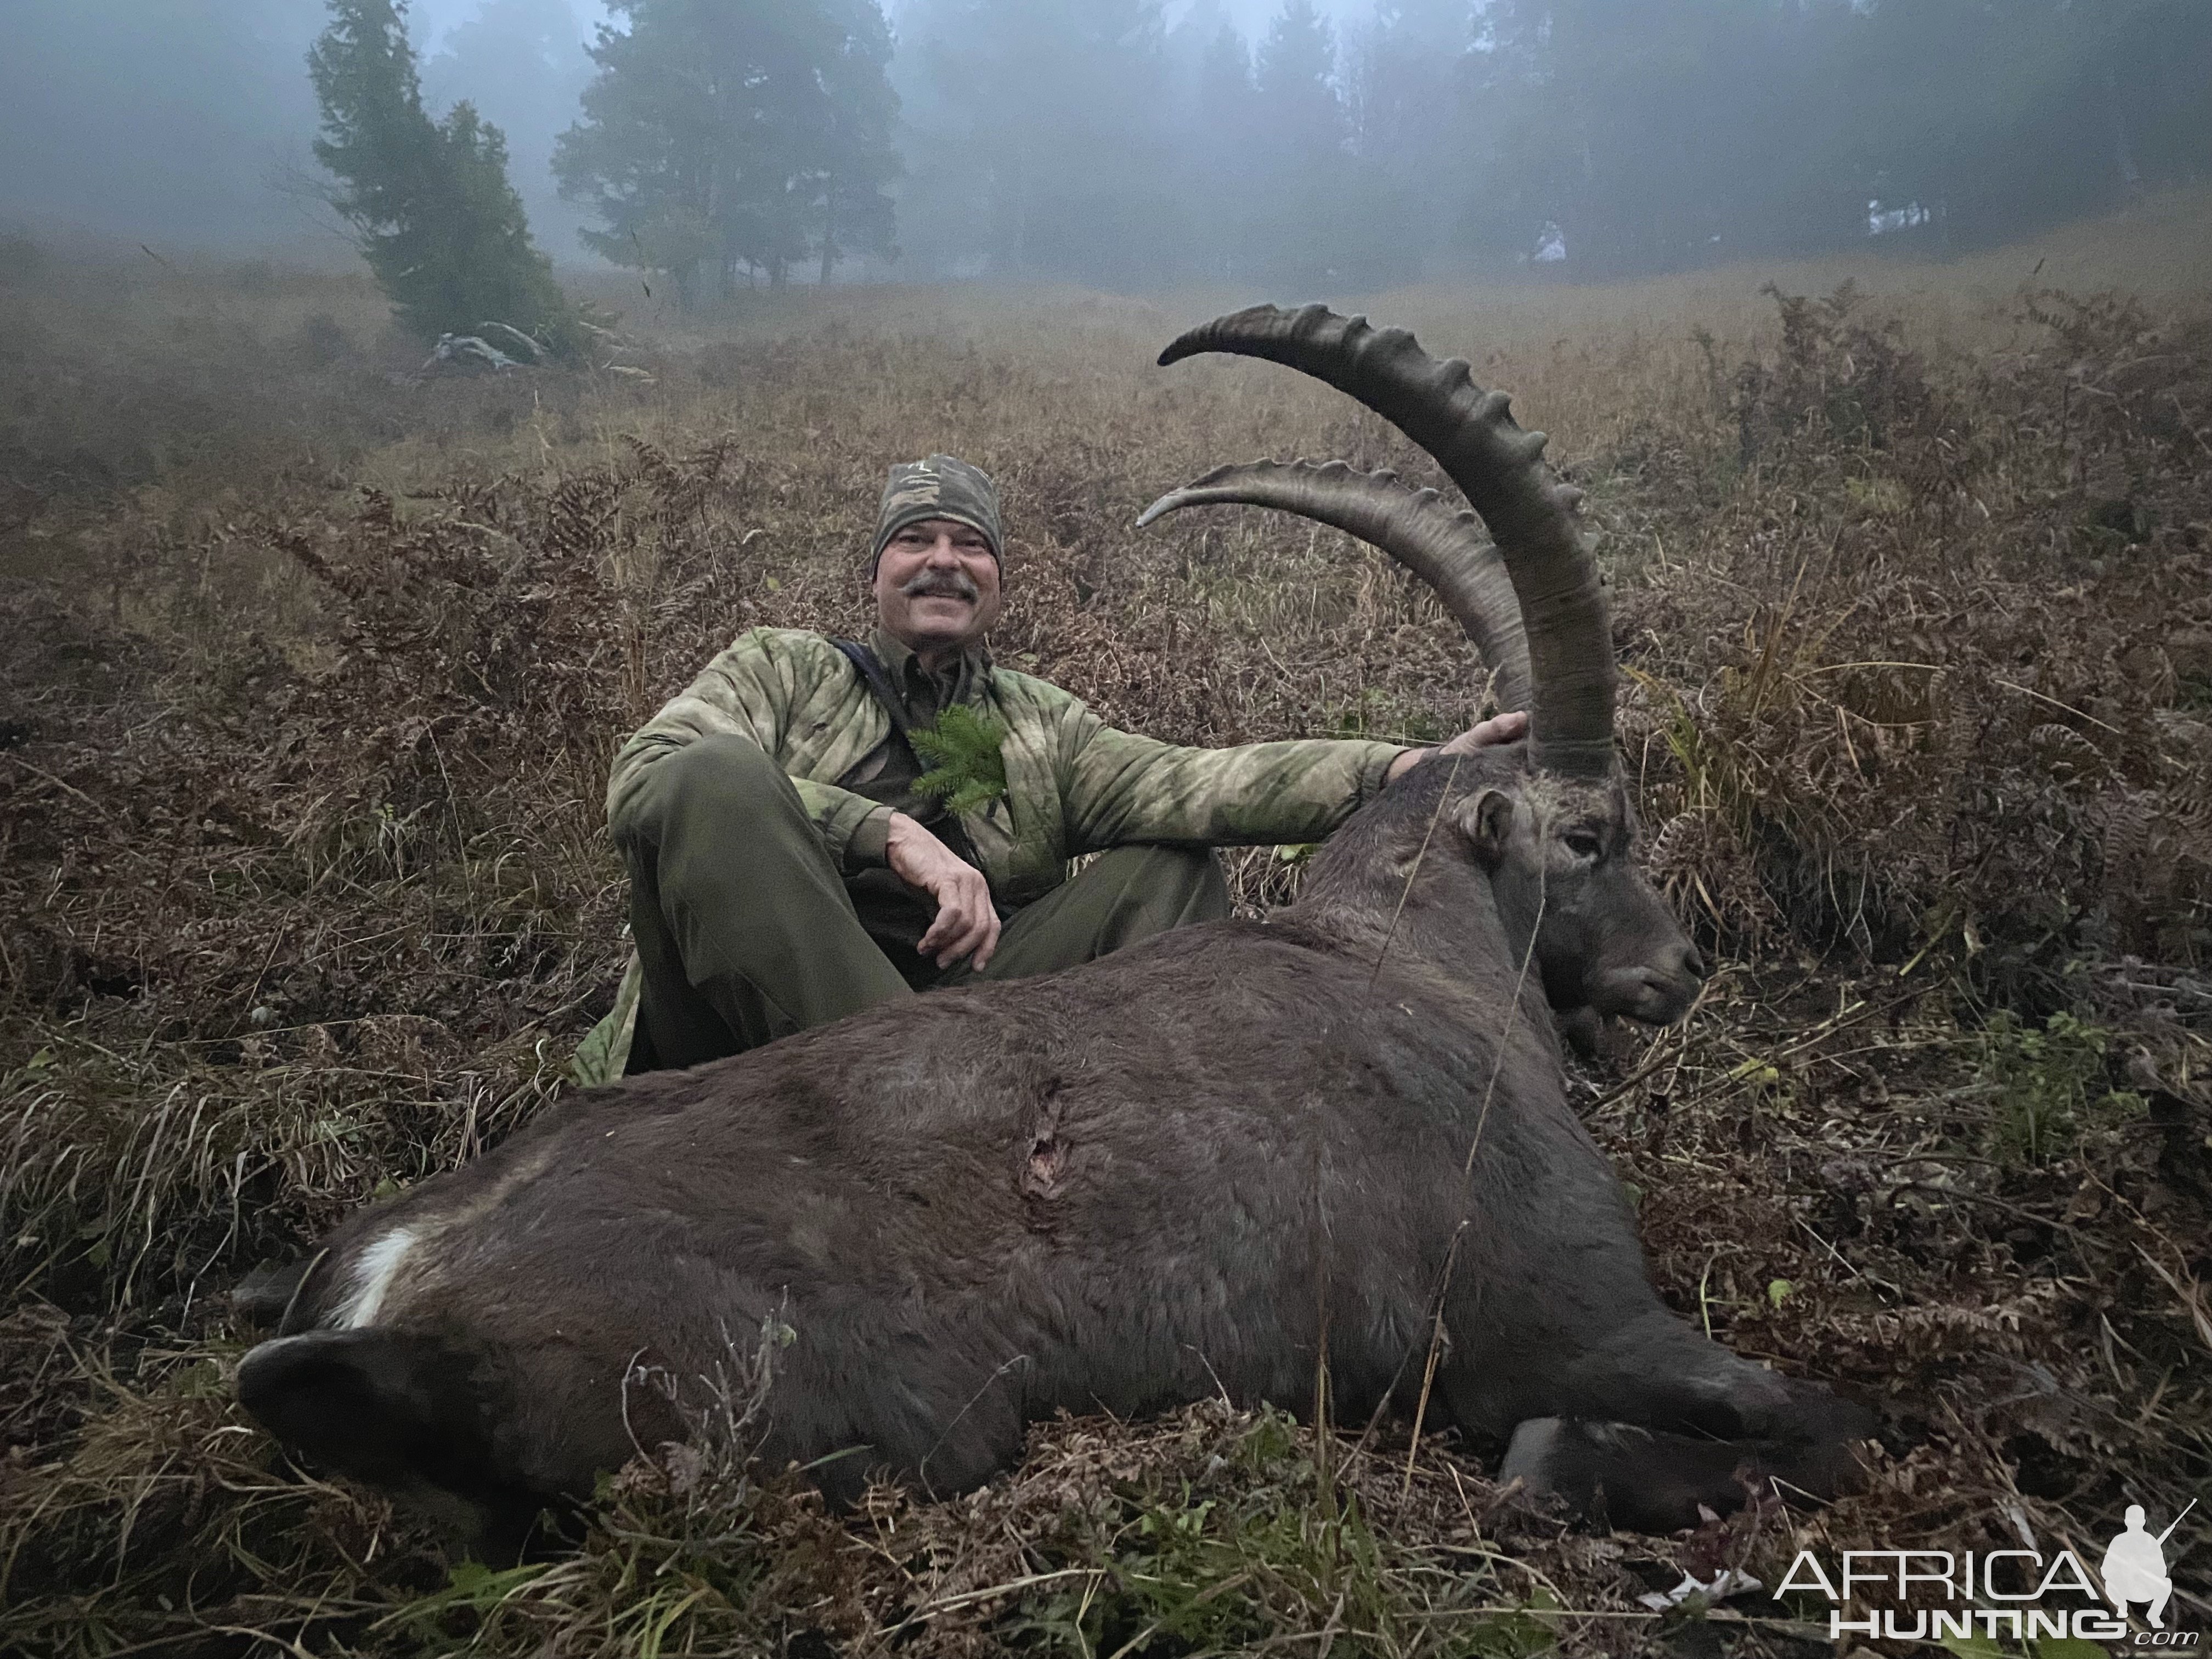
1140 1181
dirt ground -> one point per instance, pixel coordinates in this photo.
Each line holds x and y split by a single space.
313 676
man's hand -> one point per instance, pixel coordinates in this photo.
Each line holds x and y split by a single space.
1499 728
966 922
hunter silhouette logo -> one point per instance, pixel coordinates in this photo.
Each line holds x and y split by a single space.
2135 1567
2016 1593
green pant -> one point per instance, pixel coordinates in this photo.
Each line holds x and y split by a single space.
746 930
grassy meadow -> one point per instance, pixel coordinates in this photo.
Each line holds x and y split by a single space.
313 671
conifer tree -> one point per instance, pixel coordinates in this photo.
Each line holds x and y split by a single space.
1228 151
1043 147
429 201
522 63
1301 228
729 137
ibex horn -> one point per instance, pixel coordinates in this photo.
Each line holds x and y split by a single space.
1446 548
1497 466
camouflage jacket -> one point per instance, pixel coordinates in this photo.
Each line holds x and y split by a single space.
1074 785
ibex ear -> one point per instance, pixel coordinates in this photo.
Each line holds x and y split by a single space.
1489 826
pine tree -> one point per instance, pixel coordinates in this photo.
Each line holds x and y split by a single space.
1228 130
858 157
1402 73
522 63
1294 76
429 201
1039 149
1303 234
728 136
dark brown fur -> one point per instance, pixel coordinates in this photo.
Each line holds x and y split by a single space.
1129 1185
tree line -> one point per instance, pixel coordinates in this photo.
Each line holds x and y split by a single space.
722 138
717 140
1099 140
1130 144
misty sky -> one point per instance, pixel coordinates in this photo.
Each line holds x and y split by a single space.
1649 135
436 17
432 18
1252 15
182 120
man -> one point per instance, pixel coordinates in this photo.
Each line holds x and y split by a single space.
2134 1569
794 859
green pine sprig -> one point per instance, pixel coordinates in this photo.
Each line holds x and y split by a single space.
967 769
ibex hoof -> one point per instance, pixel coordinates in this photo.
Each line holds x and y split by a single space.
1651 1480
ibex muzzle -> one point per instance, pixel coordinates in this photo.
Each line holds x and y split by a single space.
1140 1181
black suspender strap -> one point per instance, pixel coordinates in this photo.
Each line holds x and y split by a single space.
873 674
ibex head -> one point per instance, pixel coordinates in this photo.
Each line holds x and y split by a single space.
1560 855
1549 823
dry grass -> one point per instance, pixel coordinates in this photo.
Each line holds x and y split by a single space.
303 892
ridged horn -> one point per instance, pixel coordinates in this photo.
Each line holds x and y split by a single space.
1497 466
1446 548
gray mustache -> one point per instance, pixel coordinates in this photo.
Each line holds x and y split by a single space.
940 584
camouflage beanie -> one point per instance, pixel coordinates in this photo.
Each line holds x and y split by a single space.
938 488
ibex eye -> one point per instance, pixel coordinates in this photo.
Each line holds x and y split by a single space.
1583 845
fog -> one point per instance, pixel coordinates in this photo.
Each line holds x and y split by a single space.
187 123
1306 145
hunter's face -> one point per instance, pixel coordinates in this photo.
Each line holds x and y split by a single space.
937 587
